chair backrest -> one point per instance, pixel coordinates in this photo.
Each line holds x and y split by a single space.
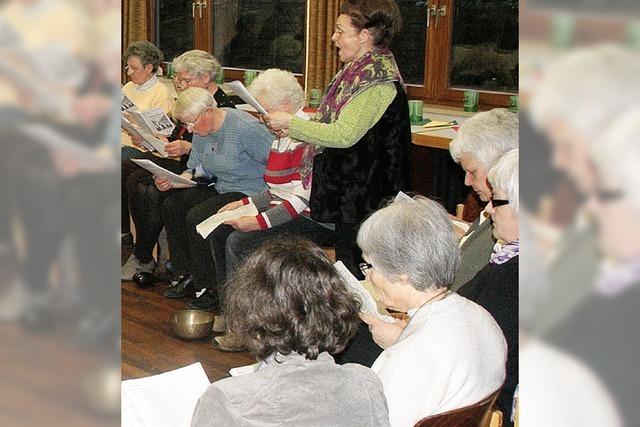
476 415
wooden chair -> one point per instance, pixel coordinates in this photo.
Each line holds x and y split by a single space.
476 415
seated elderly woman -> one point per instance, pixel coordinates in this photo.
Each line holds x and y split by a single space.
495 287
139 195
292 310
451 353
144 89
284 206
228 158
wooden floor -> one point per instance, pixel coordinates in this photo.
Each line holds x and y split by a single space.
149 346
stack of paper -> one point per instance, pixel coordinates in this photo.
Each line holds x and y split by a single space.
163 400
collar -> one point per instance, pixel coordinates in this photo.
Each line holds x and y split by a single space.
147 85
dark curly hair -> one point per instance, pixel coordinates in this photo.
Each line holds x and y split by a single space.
381 18
287 297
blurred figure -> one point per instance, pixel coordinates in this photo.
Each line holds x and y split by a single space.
495 287
578 98
601 330
451 353
292 310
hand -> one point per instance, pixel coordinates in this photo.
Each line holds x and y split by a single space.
163 184
278 120
177 148
385 334
244 223
231 206
137 140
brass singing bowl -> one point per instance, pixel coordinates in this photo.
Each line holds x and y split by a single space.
192 324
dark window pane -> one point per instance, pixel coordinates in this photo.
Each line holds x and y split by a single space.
408 46
260 34
174 27
485 45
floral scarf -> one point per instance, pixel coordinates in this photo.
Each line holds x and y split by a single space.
377 66
503 252
615 278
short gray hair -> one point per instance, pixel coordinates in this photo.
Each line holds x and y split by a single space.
486 136
276 86
197 62
412 237
617 154
146 51
504 176
588 88
191 102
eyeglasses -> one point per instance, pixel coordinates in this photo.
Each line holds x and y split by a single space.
364 267
499 202
191 125
180 81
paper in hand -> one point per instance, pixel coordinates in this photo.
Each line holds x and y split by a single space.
161 172
368 304
208 225
243 93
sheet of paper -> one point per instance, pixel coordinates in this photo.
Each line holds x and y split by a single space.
243 93
208 225
368 304
155 121
161 172
246 369
164 400
461 224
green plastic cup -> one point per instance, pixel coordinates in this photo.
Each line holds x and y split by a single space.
416 110
249 75
513 103
470 100
315 95
219 79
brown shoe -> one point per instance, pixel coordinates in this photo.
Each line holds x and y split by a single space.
220 324
228 342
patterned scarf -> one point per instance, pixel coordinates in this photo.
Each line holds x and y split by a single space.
503 252
615 278
377 66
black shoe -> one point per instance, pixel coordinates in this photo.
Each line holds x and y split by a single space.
144 279
207 301
180 288
126 239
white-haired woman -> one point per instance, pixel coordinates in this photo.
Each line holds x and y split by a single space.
227 159
602 330
495 287
140 199
451 353
283 207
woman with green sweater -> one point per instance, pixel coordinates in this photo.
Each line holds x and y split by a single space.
359 140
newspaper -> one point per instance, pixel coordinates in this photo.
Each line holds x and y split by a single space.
149 141
126 104
154 121
160 172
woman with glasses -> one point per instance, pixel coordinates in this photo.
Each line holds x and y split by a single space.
227 160
495 287
139 195
450 353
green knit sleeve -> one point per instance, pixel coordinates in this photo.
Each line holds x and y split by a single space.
355 119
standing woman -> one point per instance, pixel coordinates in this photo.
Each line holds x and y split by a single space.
361 133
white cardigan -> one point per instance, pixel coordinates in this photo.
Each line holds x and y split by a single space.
451 354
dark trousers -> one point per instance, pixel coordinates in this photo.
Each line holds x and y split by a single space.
127 169
233 250
181 213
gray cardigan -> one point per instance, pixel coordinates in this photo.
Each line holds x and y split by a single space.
296 392
476 251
